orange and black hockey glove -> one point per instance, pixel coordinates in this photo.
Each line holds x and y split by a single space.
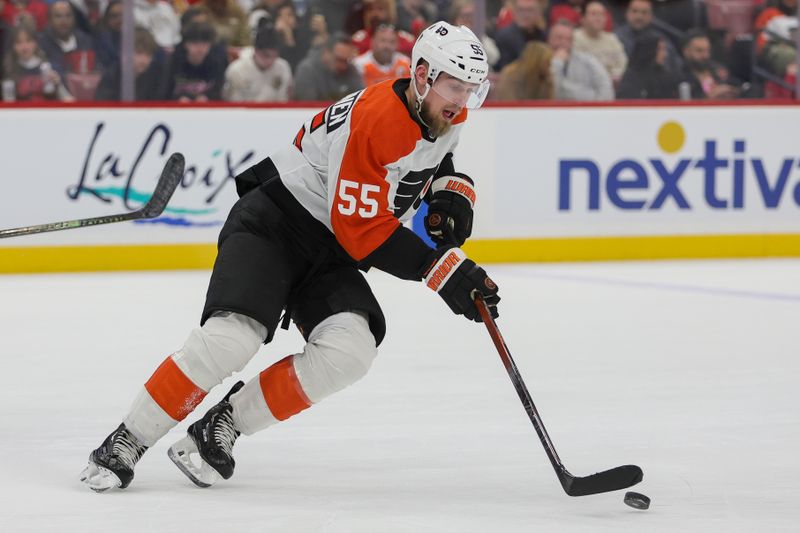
457 279
449 219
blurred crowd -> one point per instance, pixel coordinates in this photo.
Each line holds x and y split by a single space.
321 50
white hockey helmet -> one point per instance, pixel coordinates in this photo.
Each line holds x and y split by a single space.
456 51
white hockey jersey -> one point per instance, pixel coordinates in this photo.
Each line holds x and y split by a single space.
363 165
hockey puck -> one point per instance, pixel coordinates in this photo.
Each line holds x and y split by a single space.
637 501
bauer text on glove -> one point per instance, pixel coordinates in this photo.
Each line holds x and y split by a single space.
457 279
449 219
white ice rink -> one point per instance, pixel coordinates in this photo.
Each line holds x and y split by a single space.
689 369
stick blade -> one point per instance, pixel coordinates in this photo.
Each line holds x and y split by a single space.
169 180
618 478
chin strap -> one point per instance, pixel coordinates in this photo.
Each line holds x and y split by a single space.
418 100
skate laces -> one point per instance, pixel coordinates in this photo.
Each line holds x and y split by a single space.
127 448
225 432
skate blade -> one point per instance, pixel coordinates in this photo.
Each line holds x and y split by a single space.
99 478
187 458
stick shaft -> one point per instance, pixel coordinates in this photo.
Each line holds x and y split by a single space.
605 481
168 181
519 385
68 224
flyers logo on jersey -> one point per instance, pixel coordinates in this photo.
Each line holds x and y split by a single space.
411 189
338 112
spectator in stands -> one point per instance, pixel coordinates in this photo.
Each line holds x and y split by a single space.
527 25
360 13
375 13
647 76
333 11
88 14
293 40
572 11
33 11
383 62
638 20
529 76
160 19
605 46
25 64
109 35
196 74
309 24
229 21
196 14
319 29
147 67
780 54
707 79
462 13
565 10
259 74
193 14
329 73
67 48
414 16
772 9
258 15
576 75
505 14
616 10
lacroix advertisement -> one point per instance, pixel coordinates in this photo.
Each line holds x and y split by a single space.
64 164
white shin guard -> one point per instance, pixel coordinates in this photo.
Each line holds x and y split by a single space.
224 345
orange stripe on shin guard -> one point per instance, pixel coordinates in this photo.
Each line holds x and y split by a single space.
175 393
282 390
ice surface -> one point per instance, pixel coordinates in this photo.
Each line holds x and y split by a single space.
688 369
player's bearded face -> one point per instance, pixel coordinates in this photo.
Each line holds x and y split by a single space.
433 114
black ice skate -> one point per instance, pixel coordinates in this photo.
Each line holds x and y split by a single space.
111 465
204 455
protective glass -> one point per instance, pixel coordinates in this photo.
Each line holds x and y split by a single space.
461 93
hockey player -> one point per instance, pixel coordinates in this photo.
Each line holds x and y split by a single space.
309 217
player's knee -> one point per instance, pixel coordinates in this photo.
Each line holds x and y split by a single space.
340 351
347 343
224 345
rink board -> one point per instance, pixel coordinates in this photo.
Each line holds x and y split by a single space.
554 183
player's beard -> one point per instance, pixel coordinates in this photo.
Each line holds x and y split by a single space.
437 126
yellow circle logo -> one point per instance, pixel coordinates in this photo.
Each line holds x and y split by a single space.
671 137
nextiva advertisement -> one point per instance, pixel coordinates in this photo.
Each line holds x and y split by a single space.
644 171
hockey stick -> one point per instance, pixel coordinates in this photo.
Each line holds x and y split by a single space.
167 183
617 478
